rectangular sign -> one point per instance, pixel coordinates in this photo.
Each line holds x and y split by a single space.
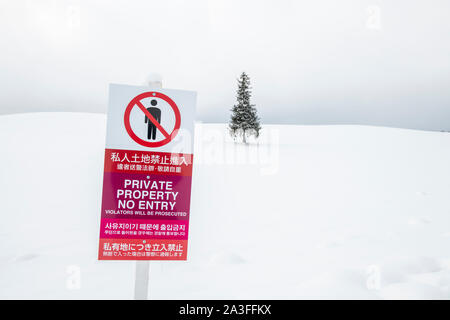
147 174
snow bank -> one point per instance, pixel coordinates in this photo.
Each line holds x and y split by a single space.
308 212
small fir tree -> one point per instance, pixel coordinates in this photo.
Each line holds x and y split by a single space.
244 119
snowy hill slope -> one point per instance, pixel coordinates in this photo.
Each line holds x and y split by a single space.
309 212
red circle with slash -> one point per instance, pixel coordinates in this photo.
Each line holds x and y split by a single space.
136 101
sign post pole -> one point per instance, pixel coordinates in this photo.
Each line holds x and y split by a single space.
142 270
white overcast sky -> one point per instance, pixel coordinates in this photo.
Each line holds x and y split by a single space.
310 62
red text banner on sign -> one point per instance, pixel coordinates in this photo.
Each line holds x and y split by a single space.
130 161
136 249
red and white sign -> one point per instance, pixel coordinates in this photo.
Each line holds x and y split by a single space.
147 174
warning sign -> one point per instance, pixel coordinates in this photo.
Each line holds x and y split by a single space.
147 174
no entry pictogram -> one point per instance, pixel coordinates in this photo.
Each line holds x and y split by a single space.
136 102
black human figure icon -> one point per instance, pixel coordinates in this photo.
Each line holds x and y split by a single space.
156 113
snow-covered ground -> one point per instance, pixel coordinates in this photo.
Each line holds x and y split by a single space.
309 212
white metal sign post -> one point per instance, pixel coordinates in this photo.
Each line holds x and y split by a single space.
141 280
142 272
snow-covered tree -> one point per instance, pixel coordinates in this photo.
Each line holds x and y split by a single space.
244 119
